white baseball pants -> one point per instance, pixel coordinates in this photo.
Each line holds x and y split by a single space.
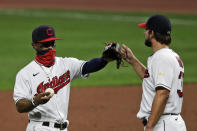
170 123
37 126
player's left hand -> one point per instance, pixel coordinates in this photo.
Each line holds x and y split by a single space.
112 52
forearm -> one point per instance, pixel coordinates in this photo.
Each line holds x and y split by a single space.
128 56
24 105
138 67
158 107
93 65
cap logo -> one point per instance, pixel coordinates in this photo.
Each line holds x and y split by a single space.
49 32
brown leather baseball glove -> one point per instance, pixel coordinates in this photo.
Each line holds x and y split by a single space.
112 52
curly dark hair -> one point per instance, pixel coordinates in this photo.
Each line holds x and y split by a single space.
163 39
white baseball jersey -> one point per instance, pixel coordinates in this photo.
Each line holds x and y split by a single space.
164 68
34 79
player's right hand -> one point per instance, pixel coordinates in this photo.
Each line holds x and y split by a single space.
42 98
127 54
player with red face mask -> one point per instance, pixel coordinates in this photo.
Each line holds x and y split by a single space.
49 112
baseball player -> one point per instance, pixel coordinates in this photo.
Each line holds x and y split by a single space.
48 112
162 84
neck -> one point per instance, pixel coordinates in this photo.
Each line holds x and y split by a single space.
157 46
47 58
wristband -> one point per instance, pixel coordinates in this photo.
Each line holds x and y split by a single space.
32 102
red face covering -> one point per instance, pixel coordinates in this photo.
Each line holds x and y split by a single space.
47 59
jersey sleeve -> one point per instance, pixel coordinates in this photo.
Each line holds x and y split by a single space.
162 72
21 88
75 67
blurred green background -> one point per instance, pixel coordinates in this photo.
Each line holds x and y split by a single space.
84 34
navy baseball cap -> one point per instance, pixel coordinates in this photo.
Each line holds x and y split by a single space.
158 23
43 33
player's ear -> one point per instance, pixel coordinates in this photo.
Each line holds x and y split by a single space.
34 45
151 33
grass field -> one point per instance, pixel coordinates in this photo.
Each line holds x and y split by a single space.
84 34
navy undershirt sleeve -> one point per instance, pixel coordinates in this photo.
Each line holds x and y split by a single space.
93 65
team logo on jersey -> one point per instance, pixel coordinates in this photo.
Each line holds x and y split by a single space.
57 83
146 75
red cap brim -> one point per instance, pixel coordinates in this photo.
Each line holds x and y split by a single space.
142 25
50 39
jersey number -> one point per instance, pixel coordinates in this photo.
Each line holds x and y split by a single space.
180 93
181 75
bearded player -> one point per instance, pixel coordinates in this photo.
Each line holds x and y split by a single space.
162 85
48 112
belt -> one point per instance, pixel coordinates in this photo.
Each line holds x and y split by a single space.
61 126
176 114
145 121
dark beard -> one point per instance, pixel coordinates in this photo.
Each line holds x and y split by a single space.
148 43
